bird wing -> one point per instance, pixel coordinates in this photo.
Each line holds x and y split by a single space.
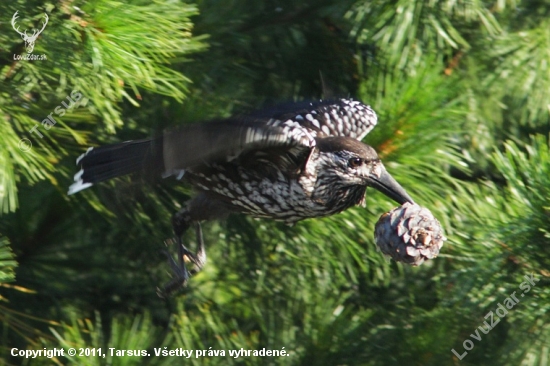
225 140
291 127
342 117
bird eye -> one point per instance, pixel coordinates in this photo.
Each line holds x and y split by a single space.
355 162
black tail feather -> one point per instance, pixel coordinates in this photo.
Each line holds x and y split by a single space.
106 162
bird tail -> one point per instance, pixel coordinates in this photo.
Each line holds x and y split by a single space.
106 162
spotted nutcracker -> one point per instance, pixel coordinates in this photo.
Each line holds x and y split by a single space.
291 162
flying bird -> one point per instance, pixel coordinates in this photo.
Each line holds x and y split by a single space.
289 163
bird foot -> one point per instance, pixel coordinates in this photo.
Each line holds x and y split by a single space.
181 273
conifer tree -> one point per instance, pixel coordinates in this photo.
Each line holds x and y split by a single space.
461 90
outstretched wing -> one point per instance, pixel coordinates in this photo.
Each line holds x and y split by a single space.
218 141
293 126
342 117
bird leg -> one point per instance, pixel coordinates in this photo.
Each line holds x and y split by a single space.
199 258
181 221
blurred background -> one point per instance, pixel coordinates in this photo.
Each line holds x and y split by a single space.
462 90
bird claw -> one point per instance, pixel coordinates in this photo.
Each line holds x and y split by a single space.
181 276
170 287
181 273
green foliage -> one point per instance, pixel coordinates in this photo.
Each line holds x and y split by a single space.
100 53
137 333
122 49
461 90
526 169
7 261
407 32
522 73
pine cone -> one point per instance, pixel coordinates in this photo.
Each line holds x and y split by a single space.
409 234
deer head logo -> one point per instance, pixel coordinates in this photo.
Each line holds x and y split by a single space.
29 40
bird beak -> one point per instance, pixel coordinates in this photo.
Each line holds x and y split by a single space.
385 183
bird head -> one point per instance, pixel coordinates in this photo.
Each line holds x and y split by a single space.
353 163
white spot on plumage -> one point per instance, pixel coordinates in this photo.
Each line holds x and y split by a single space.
83 155
346 120
316 123
78 175
78 185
